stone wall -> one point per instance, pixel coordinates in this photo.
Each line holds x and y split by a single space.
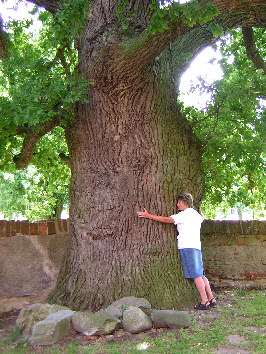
234 252
30 256
31 253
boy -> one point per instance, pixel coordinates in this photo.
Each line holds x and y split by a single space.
188 222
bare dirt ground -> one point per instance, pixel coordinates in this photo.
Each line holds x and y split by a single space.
204 318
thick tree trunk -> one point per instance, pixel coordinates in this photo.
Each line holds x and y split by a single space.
129 148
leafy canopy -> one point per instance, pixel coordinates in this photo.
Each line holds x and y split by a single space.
35 89
39 191
232 130
40 83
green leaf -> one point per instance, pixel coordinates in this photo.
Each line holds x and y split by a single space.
154 5
216 30
120 8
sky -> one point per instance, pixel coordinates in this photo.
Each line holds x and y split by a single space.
199 67
11 9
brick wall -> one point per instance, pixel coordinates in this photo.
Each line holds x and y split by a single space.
43 227
233 251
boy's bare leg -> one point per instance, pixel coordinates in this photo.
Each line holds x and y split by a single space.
201 287
208 289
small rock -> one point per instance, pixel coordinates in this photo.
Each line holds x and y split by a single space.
235 339
32 314
53 328
99 323
170 318
261 331
135 320
117 307
221 350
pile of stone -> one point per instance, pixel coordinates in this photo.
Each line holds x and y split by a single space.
45 324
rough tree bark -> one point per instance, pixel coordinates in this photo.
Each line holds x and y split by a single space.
130 147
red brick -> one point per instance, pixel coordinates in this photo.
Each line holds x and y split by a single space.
4 248
241 244
13 227
18 223
2 228
8 229
262 275
65 225
223 244
236 253
255 276
25 228
34 230
59 225
43 228
51 227
245 274
222 283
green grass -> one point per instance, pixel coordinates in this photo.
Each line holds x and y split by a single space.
246 309
14 335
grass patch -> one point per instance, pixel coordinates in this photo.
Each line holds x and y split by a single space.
243 315
240 293
15 334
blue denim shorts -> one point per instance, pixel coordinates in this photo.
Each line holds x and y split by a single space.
192 263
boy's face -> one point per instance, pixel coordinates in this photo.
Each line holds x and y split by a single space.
181 205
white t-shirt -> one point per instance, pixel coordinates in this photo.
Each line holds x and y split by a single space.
188 223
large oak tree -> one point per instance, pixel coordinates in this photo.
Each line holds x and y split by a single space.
129 144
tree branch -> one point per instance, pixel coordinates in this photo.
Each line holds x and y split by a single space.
4 47
193 124
60 55
49 5
142 48
31 139
145 46
185 48
251 49
21 129
211 114
65 158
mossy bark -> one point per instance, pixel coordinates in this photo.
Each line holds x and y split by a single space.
129 149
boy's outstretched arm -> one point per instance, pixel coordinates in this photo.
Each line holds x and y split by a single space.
145 214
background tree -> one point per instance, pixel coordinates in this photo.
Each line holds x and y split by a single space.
232 129
129 144
39 191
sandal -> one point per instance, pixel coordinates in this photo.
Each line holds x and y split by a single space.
201 306
212 302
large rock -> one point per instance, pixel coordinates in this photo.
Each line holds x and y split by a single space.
170 318
98 323
117 307
33 314
135 320
53 328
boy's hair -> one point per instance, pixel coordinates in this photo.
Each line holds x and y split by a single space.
186 198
